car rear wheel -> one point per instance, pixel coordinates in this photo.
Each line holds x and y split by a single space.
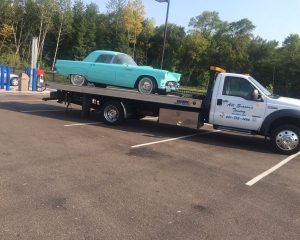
285 139
147 85
14 81
78 80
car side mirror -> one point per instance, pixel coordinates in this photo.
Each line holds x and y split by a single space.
256 96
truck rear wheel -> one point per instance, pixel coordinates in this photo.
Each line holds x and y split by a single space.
285 139
112 112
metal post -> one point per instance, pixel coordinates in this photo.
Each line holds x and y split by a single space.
8 78
2 76
34 80
165 35
28 70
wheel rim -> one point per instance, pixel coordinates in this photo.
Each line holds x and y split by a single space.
14 82
111 114
287 140
146 85
77 80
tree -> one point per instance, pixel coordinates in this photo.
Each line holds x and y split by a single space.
133 21
206 23
62 24
79 29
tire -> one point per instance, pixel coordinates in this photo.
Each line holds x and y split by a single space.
112 113
285 139
147 85
14 81
78 80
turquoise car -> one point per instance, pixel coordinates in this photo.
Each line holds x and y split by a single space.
104 68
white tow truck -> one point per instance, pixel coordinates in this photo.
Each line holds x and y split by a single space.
233 102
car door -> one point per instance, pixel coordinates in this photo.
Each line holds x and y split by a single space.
236 107
102 71
126 74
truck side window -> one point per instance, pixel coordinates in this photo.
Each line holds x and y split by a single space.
103 58
238 87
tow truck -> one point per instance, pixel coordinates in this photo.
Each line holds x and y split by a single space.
233 102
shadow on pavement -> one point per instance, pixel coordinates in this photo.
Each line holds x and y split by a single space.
147 128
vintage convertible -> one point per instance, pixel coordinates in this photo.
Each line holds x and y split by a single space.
104 68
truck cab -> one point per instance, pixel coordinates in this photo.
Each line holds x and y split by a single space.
240 103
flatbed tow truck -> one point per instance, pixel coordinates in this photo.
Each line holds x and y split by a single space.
233 102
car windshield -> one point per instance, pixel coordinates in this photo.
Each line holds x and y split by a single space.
260 87
124 59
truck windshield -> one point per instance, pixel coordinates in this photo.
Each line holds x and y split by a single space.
260 87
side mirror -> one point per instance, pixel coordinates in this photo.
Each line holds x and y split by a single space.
256 95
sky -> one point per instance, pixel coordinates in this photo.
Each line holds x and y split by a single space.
274 19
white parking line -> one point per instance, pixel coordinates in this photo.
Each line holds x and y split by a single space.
81 124
272 169
43 110
172 139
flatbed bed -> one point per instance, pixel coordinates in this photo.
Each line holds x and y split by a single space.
171 100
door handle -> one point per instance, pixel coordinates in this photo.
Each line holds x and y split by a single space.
219 102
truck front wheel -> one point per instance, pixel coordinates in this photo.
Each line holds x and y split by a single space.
285 139
112 112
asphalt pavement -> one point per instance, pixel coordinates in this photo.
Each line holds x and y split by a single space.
65 177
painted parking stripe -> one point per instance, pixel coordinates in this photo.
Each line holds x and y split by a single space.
172 139
271 170
44 110
81 124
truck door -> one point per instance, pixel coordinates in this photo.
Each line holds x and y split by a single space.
235 105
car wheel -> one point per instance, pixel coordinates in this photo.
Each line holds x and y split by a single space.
78 80
285 139
14 81
112 112
147 85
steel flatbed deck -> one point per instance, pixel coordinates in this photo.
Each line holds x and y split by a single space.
168 100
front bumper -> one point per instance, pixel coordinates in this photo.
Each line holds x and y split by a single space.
171 86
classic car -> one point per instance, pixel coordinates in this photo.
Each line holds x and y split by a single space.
104 68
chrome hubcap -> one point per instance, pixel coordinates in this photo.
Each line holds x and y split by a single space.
14 82
146 86
111 114
287 140
77 80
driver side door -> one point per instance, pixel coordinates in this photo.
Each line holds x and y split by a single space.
236 107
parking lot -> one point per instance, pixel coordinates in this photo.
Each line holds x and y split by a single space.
65 177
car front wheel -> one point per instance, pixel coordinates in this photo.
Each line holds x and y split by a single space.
285 139
78 80
14 82
147 85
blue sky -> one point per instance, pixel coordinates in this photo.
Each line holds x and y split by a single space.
274 19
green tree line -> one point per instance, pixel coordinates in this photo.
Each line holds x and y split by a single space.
71 29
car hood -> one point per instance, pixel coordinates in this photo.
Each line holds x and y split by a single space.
169 76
